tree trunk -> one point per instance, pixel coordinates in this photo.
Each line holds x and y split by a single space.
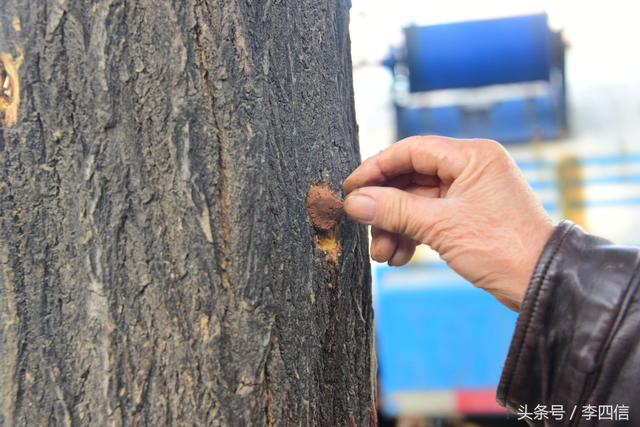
158 263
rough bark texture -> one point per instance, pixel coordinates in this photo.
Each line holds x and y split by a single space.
158 265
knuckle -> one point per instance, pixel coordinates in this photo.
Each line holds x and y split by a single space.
440 236
413 145
492 152
418 144
423 142
403 218
367 162
414 140
491 147
397 214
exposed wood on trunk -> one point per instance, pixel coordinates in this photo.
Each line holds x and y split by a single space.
158 265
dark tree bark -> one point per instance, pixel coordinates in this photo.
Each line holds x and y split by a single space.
158 264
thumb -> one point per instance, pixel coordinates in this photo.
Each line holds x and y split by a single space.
394 210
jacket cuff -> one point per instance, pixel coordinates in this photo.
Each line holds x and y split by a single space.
576 293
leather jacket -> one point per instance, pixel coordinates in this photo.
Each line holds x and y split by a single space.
576 346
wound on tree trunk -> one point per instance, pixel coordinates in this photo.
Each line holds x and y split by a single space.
158 262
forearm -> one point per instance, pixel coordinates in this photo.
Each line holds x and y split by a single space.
579 309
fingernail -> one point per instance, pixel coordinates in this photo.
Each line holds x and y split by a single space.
360 207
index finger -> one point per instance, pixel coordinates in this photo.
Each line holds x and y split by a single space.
429 155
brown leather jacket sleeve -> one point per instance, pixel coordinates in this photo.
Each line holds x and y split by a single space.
577 339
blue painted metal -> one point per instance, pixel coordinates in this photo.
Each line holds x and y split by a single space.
436 331
513 120
544 185
478 53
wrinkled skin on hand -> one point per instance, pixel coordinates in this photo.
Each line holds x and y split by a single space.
466 199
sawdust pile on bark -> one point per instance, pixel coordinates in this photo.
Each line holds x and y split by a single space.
325 207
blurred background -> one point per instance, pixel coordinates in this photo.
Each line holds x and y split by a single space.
558 83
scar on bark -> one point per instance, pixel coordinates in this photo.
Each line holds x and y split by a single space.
10 89
325 210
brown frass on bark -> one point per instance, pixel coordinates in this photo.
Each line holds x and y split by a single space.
325 207
325 210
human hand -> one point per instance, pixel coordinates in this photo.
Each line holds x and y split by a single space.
466 199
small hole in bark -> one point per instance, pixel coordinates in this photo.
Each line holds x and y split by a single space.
325 210
5 92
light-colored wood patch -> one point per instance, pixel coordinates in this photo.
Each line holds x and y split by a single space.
10 90
15 23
